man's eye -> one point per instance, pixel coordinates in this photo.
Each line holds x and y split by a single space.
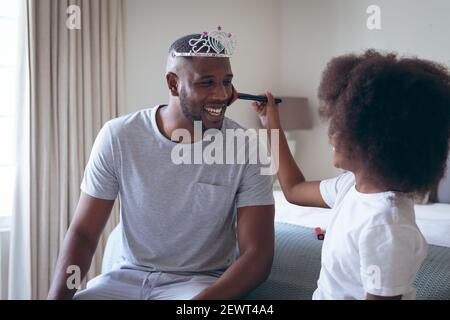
227 83
206 83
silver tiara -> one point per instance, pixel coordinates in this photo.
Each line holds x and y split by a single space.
218 44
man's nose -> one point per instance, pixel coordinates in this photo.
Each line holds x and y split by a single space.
221 93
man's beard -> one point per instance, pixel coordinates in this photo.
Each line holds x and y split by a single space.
186 106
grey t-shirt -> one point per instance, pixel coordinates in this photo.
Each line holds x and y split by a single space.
178 218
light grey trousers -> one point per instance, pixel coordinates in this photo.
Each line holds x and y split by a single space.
127 284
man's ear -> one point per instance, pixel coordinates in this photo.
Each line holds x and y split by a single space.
172 83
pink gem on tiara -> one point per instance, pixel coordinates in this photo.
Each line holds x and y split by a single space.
205 33
219 28
229 35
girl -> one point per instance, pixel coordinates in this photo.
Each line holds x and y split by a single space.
389 128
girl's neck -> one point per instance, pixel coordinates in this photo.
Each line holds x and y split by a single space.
367 184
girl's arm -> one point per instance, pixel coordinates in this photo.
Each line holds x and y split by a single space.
294 185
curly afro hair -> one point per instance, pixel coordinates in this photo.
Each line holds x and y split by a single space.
392 114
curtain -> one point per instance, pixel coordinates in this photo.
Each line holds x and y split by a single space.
76 84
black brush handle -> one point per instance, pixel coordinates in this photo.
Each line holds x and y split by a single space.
245 96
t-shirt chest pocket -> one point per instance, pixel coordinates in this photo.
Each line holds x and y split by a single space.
212 201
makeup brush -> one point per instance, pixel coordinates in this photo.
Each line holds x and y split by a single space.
245 96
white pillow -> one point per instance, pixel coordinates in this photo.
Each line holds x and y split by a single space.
443 191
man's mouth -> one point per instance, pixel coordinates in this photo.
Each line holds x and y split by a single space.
215 110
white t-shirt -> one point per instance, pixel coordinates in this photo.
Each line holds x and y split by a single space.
372 244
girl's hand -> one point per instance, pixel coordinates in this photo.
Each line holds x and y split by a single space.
267 112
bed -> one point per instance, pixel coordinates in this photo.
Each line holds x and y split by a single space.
296 264
432 219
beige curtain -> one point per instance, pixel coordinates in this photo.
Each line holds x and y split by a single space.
76 85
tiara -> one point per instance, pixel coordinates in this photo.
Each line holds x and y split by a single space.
217 43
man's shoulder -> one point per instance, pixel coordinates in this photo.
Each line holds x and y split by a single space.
231 124
130 122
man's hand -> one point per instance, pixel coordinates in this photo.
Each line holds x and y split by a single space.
80 242
255 228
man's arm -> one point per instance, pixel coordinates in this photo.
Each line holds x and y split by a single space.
80 242
255 235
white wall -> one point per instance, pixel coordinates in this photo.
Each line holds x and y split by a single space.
153 25
315 31
308 38
283 46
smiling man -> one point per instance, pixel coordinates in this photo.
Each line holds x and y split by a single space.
182 225
203 85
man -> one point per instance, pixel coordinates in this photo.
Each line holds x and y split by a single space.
181 224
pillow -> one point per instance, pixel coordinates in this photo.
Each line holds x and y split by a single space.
429 197
443 190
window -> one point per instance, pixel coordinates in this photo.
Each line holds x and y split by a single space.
9 71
